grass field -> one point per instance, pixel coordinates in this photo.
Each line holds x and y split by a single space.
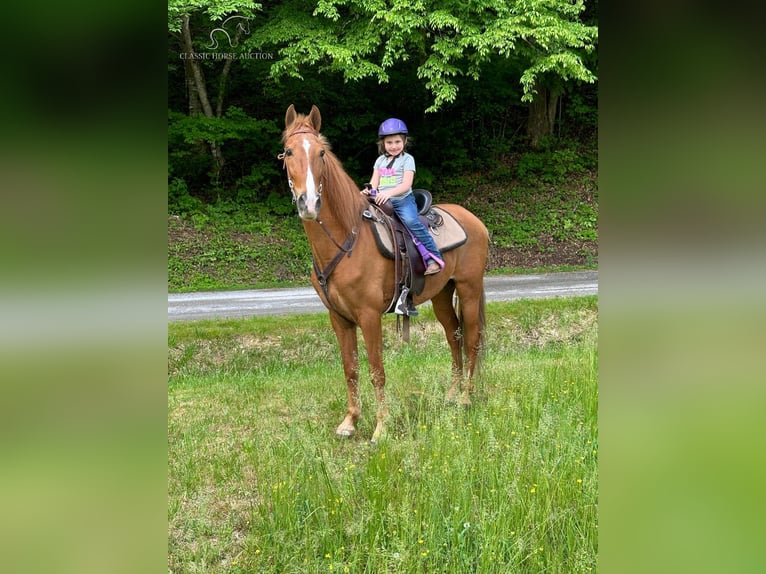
258 482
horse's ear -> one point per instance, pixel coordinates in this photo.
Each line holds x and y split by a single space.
290 116
315 118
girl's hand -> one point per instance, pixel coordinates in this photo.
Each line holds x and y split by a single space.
382 197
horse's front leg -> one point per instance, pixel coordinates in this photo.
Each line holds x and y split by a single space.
346 334
372 331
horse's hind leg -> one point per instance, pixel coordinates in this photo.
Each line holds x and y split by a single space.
472 319
445 313
346 334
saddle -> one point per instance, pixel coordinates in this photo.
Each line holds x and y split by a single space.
395 242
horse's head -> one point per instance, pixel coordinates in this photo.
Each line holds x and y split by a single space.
304 160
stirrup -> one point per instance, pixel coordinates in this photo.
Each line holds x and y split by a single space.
403 306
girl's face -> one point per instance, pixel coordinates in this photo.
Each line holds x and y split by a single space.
394 144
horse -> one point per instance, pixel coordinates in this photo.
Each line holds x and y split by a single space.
356 283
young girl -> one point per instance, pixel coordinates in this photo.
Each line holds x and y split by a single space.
392 177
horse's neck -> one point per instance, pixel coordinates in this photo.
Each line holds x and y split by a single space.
340 206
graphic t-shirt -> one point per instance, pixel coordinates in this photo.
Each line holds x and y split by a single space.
393 176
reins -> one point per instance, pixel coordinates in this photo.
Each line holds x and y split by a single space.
345 249
323 275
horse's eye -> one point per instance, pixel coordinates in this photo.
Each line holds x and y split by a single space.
321 153
288 151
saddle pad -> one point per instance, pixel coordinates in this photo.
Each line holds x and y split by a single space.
449 235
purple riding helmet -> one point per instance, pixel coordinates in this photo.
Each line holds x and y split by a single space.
392 126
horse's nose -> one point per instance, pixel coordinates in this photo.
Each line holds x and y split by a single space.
308 206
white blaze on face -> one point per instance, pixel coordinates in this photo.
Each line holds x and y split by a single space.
311 191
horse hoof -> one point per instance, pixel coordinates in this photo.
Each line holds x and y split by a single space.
344 433
378 436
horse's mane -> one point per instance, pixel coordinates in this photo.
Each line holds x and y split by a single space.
340 193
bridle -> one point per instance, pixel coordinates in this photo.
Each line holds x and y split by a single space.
284 154
345 247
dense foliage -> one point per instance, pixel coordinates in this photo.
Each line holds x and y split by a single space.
361 61
499 94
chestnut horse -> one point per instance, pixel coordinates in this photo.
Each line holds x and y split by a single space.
356 282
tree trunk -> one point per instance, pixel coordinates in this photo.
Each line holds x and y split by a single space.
222 87
225 77
195 107
201 92
542 115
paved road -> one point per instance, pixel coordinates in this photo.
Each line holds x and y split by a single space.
258 302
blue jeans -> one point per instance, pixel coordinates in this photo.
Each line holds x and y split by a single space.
407 210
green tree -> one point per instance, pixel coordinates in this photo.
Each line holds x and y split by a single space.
209 16
546 39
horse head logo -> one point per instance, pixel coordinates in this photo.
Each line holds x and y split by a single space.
242 25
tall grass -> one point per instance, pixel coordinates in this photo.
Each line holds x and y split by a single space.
258 482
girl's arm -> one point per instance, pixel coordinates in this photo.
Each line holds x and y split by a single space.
374 181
